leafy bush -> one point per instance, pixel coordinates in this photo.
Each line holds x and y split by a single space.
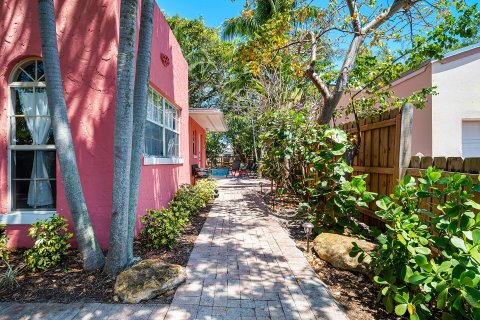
306 158
205 190
424 267
51 243
162 228
3 243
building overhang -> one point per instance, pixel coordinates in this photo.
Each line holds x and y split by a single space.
212 120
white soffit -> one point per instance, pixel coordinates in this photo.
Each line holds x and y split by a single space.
211 120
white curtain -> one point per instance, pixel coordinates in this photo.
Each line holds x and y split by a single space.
34 106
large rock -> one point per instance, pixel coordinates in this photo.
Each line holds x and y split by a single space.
148 279
335 249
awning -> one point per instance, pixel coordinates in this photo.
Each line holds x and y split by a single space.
212 120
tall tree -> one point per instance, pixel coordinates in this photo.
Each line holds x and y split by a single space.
208 58
403 32
88 245
117 256
255 14
139 115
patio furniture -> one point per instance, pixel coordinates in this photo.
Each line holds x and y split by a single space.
253 173
199 173
234 169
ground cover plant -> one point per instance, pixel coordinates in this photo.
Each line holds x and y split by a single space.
3 243
163 227
428 265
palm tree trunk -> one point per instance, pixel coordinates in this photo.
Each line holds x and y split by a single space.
117 258
139 115
88 245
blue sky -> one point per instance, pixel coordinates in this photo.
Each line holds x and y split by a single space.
214 12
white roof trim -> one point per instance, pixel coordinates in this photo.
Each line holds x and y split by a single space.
212 120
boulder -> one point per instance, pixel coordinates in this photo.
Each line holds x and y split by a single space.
148 279
335 249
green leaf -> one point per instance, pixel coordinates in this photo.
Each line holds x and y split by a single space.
418 278
423 250
401 309
421 259
459 243
472 296
441 299
476 236
422 194
444 266
401 239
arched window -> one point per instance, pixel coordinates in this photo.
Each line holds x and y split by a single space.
31 144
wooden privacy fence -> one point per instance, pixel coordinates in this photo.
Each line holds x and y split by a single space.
468 166
384 153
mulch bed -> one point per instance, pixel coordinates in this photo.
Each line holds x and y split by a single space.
70 283
353 291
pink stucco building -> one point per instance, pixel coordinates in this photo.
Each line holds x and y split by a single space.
30 177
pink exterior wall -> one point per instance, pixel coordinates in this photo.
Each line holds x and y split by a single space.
159 182
88 41
422 119
199 133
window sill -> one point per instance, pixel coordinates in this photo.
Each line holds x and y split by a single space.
150 161
25 217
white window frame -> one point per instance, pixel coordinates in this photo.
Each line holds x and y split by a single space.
194 141
476 120
199 149
21 216
155 160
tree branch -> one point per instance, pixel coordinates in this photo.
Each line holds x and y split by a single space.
310 72
350 58
352 7
387 14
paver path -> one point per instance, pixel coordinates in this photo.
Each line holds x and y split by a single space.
243 266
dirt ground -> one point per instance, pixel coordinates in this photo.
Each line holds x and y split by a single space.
70 283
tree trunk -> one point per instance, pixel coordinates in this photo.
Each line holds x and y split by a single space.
331 103
139 115
87 243
117 258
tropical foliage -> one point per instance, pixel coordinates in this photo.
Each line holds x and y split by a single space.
162 228
427 263
306 158
51 243
208 60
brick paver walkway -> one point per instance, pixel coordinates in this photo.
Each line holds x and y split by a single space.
243 266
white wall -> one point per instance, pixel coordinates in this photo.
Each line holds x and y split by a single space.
458 83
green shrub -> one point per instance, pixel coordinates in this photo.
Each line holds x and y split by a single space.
427 267
162 228
306 159
186 199
3 243
51 243
205 191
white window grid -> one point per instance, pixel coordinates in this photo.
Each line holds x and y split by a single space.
37 82
165 115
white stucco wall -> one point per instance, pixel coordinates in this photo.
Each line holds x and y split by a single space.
458 83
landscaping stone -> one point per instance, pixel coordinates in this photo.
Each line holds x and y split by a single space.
335 249
148 279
